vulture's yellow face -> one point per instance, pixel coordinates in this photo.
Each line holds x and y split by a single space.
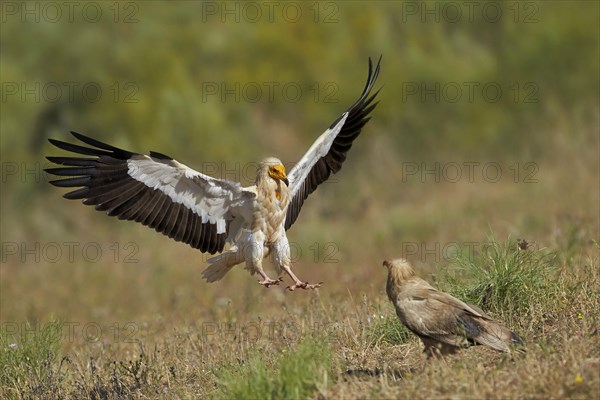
277 172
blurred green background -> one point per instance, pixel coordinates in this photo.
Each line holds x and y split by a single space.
192 79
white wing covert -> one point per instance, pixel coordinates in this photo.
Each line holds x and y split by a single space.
154 190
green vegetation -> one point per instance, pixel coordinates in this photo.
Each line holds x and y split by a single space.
506 279
297 374
390 331
318 348
30 360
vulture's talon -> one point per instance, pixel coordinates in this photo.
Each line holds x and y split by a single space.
269 282
304 285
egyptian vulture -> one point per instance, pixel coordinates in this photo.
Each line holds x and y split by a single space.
444 323
205 212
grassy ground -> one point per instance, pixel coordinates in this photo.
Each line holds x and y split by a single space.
140 323
310 346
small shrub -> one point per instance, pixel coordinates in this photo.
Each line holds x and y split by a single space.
389 330
295 375
504 279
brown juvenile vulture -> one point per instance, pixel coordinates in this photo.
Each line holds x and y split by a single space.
444 323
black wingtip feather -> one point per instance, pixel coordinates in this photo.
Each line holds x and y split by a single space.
77 194
74 148
336 121
370 108
371 78
160 156
101 145
71 182
68 171
99 149
72 161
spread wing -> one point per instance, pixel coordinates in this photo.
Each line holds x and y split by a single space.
328 152
154 190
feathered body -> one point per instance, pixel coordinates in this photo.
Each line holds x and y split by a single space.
272 200
444 323
263 232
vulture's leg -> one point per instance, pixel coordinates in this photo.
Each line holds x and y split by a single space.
298 283
436 349
283 260
256 251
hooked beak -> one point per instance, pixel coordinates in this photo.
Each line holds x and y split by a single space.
278 172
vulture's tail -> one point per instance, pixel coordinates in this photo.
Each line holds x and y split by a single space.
221 264
492 334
